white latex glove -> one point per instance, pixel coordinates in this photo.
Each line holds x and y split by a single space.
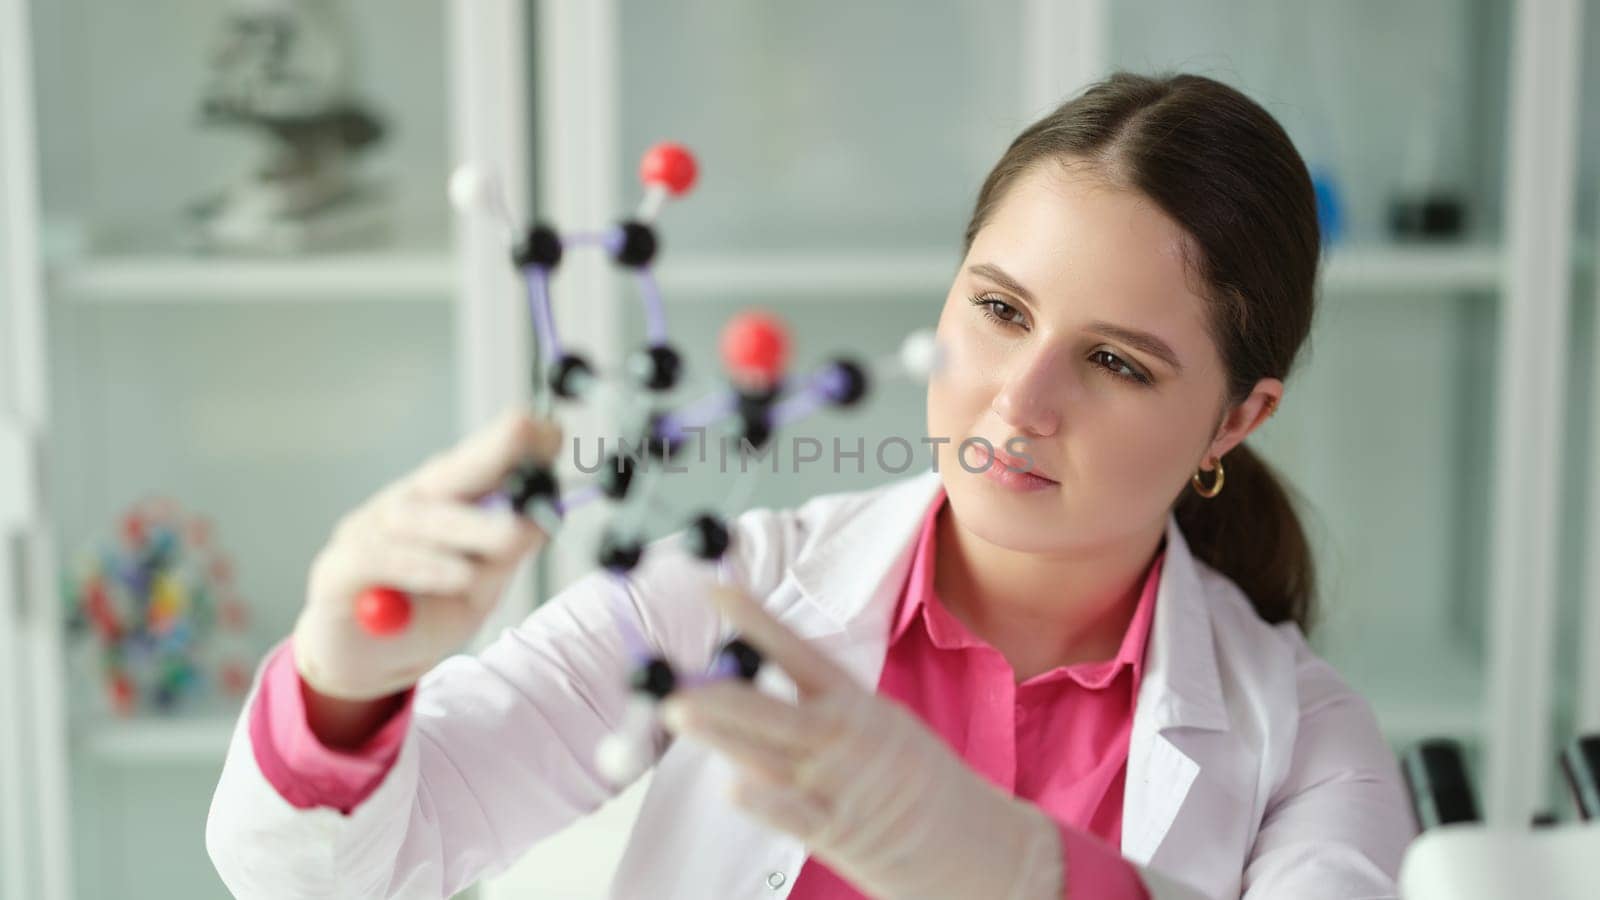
426 536
870 790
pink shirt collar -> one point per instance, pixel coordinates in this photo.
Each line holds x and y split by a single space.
947 632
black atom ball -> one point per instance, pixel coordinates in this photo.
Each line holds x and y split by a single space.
754 430
657 367
620 556
853 383
638 245
707 537
655 678
568 375
616 475
529 482
746 658
541 246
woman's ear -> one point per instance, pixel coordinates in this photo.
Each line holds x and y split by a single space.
1246 417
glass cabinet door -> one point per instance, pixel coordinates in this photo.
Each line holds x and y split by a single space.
250 329
840 156
837 178
1399 110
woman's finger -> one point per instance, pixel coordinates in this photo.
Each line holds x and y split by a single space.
406 565
478 464
493 534
745 748
812 672
735 707
782 806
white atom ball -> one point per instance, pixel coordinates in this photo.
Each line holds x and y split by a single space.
619 759
920 354
472 190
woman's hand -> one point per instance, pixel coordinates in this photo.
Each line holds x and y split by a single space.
858 778
426 536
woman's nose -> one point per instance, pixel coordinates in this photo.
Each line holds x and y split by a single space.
1029 399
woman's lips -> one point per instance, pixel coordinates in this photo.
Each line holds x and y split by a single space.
1010 472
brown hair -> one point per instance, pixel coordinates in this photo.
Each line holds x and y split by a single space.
1222 168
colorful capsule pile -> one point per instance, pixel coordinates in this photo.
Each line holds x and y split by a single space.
159 608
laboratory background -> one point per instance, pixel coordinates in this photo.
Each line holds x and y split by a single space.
235 300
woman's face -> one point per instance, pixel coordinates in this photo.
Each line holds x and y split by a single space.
1073 331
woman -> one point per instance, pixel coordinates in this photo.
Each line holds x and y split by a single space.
1087 679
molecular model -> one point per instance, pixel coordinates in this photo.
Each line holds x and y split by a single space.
759 400
161 607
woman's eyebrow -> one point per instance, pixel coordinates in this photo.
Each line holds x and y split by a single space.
1139 340
998 275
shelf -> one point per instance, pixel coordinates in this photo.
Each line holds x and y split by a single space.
1444 699
1385 268
418 275
1405 724
1471 267
429 276
200 739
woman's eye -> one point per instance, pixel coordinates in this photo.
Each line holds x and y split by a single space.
1114 364
1000 311
1004 314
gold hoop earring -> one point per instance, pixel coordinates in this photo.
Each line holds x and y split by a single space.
1216 487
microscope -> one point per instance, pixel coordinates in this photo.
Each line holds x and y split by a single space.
284 69
1457 857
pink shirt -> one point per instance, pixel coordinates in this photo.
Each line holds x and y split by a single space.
1059 739
304 771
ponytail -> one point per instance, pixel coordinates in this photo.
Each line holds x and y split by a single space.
1251 533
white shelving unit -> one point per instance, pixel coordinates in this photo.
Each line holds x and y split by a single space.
89 803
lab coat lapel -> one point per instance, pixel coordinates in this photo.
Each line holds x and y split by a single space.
1180 753
841 593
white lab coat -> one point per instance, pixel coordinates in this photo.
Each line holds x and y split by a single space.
1252 768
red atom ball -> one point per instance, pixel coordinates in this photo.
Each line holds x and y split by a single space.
670 165
383 611
755 346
